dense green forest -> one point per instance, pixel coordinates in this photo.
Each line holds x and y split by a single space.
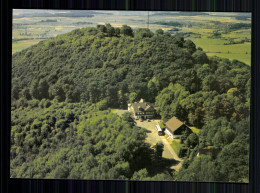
74 140
63 88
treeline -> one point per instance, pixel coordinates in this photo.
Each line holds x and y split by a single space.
230 27
77 141
110 67
49 20
170 23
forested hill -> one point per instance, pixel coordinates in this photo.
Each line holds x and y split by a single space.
117 65
110 67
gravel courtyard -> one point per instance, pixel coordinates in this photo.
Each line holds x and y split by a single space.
153 138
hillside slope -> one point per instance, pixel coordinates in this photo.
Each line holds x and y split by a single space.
109 67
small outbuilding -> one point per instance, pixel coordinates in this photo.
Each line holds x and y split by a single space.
175 128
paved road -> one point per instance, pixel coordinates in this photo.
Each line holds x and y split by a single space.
153 138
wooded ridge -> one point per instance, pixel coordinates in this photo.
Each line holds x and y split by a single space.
63 89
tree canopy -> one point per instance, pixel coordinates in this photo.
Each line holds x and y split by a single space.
63 89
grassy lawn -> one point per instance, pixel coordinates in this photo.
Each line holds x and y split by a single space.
176 146
195 130
161 125
119 112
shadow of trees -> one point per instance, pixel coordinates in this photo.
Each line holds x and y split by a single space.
162 165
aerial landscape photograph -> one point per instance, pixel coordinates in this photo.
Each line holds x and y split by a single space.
130 95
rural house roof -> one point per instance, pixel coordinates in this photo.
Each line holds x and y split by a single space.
142 106
173 124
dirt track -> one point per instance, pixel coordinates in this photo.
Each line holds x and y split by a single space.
153 138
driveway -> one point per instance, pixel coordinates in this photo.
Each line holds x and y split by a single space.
153 138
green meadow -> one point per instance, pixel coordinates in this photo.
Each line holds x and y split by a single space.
176 146
216 47
195 130
20 45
